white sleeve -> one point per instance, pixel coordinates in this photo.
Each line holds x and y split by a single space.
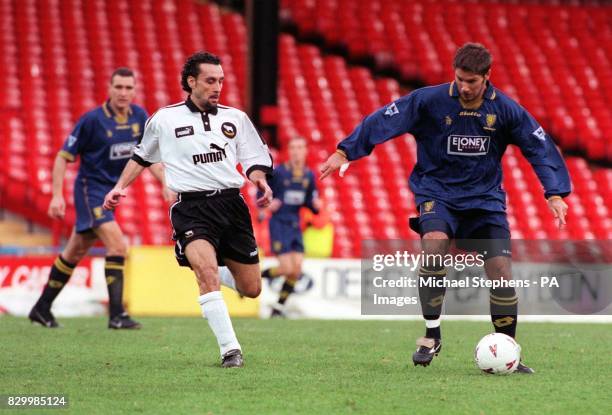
147 149
252 151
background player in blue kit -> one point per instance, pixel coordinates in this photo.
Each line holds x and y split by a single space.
462 129
293 185
103 139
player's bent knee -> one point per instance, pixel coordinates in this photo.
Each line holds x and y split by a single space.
293 275
252 290
75 255
435 235
435 243
498 268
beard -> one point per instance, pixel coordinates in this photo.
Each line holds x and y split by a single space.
210 106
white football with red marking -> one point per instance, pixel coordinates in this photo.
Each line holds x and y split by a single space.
497 354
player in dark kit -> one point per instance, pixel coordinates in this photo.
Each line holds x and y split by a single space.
293 185
462 129
103 139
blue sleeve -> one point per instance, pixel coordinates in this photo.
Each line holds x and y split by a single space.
395 119
273 181
142 120
541 152
78 138
311 194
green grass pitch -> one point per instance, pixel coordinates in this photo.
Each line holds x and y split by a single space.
171 366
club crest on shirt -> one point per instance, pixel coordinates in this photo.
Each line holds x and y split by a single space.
135 129
228 129
490 120
428 206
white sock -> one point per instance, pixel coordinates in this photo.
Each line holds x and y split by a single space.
215 311
226 278
432 324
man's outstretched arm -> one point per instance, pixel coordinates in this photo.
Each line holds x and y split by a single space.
547 162
388 122
131 171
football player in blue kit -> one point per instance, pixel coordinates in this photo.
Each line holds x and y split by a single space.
103 139
293 185
462 129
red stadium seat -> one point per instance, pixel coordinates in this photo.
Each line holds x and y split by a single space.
560 51
547 57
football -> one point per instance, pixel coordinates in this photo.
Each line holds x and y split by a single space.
498 354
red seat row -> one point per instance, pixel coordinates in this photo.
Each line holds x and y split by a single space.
55 58
555 59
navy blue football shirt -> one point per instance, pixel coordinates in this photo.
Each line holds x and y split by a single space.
459 150
295 188
104 141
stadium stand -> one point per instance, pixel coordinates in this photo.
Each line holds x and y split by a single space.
322 97
54 67
555 59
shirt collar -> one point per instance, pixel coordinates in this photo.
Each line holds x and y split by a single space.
194 108
489 93
295 171
108 111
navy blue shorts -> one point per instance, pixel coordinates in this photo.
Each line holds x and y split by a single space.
468 227
285 237
88 201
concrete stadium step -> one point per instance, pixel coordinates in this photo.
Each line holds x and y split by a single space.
15 231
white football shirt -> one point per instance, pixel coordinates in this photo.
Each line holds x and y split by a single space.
200 149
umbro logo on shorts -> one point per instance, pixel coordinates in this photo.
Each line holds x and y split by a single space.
254 253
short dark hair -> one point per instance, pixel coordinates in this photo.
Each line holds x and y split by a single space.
473 57
122 71
192 66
